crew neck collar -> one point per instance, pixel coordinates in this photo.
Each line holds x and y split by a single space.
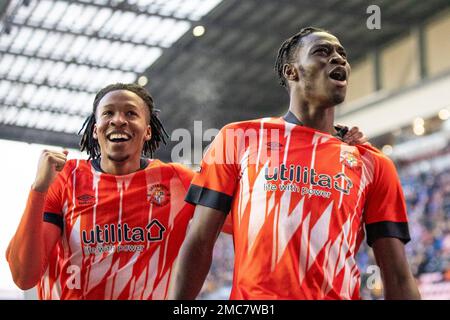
291 118
97 167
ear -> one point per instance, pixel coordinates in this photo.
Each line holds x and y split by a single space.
290 72
148 133
94 132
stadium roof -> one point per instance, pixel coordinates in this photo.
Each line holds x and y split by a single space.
54 56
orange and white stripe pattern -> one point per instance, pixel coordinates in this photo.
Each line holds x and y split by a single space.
299 201
121 234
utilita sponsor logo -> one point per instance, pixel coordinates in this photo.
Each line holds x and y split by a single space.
111 233
304 175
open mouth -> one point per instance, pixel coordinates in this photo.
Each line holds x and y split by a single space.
118 137
339 74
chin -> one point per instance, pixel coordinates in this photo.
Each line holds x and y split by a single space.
118 157
337 98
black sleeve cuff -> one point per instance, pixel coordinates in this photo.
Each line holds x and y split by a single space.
209 198
387 229
54 218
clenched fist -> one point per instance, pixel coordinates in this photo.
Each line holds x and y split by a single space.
50 163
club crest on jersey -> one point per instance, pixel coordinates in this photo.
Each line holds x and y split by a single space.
159 195
349 159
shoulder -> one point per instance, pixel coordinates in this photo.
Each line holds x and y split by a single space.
63 179
254 123
181 172
367 147
181 169
374 154
176 168
377 162
72 163
75 164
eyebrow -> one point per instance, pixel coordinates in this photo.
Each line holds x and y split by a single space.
328 44
111 105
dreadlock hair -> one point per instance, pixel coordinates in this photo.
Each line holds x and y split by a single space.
287 52
159 134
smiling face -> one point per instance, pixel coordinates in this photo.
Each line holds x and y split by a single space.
122 126
319 70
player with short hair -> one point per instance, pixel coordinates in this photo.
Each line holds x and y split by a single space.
109 227
299 197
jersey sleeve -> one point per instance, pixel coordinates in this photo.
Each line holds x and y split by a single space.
214 185
385 213
54 200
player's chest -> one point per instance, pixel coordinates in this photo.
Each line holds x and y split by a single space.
125 215
110 200
319 172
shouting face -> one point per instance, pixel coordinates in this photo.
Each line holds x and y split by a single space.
319 70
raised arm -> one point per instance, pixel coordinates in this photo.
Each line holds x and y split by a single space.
33 241
398 281
195 256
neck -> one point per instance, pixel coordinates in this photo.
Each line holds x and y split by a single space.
120 168
313 115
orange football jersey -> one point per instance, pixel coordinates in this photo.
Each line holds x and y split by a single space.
299 201
120 234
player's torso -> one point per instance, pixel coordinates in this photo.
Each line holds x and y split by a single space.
121 233
297 211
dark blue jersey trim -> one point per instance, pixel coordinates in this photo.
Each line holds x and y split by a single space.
209 198
54 218
387 229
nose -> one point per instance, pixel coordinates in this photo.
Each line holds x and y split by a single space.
118 120
338 59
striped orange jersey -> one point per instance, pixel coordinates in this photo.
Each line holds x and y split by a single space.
299 201
120 234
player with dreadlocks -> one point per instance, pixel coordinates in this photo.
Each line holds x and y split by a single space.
109 227
90 144
298 195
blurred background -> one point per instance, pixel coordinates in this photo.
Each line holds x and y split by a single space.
212 61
